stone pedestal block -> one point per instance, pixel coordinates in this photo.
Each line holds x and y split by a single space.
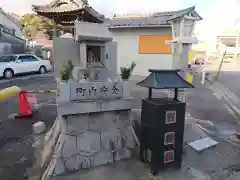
87 140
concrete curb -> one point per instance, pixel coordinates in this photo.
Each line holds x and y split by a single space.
221 92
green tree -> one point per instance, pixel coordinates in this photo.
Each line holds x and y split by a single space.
35 26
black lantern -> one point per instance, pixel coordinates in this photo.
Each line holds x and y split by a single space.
164 79
162 121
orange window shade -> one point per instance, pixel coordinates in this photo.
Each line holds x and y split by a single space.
155 44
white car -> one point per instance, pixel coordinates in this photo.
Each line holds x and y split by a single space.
22 63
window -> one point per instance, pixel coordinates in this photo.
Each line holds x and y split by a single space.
155 44
170 117
27 58
168 156
9 31
7 59
169 138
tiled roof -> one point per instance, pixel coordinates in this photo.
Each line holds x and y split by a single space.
156 19
60 6
10 17
43 41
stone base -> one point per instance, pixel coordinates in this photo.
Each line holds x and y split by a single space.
91 106
87 140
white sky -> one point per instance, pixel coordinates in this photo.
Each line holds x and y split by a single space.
217 14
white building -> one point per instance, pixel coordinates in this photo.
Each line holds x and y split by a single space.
10 23
144 39
11 39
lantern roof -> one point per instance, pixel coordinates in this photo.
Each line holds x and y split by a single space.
164 79
189 11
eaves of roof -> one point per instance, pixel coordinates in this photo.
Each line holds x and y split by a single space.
74 6
10 18
159 19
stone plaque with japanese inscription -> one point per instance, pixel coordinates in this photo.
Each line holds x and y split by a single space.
95 90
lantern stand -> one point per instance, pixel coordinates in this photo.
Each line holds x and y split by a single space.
175 93
149 93
156 112
182 31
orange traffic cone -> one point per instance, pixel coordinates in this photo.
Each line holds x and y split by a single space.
25 110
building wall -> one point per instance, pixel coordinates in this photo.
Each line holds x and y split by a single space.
5 48
128 49
9 23
17 44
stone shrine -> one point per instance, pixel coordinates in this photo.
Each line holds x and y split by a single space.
93 126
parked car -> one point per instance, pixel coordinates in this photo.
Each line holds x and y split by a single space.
11 65
199 61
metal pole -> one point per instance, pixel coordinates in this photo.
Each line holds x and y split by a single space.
149 93
176 94
236 48
219 69
204 68
203 77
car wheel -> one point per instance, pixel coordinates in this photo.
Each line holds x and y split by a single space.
42 70
8 73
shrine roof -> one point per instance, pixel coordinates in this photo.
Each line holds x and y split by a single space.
60 6
66 6
150 20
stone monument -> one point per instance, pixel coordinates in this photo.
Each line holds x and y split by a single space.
93 125
182 28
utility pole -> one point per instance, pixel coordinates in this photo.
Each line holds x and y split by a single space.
203 67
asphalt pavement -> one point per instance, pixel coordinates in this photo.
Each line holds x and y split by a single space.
16 138
231 80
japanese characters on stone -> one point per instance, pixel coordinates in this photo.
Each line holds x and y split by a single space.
97 90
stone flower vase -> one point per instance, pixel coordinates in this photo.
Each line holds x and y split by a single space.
63 90
126 88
